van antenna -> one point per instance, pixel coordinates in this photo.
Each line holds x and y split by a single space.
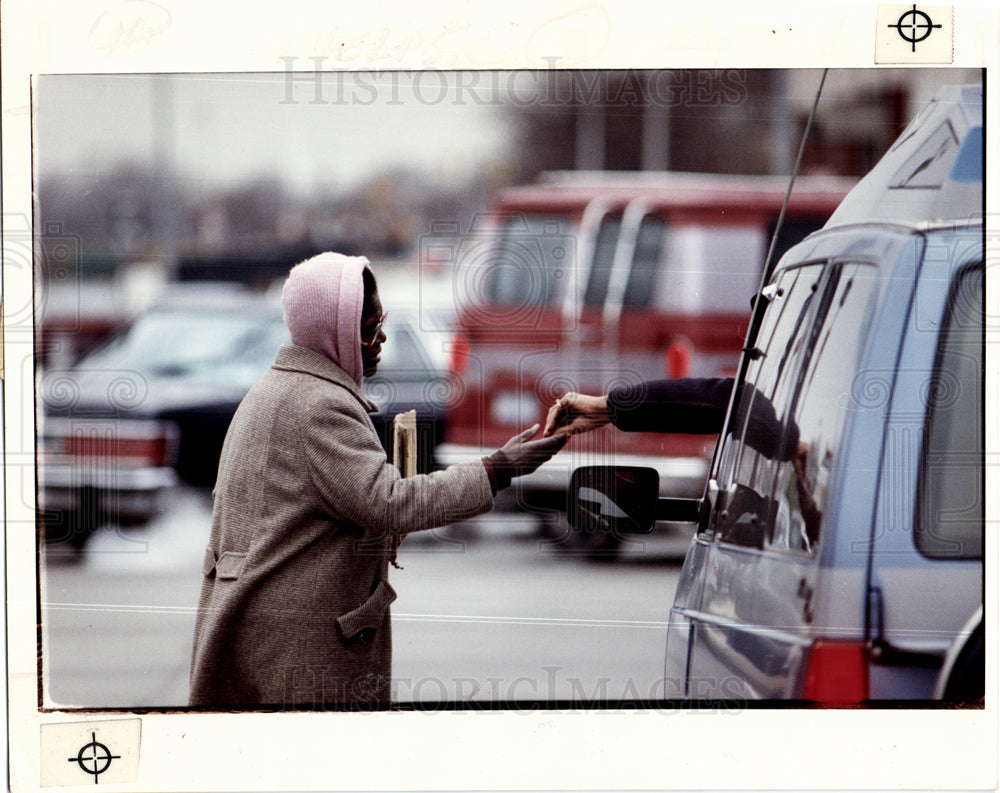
768 264
759 301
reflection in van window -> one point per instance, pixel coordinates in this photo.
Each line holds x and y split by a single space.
825 399
645 262
951 502
747 466
785 295
530 258
603 261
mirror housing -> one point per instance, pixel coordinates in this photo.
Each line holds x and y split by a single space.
624 500
616 499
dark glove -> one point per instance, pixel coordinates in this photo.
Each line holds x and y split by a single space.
520 456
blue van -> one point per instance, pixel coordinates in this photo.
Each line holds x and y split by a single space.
842 561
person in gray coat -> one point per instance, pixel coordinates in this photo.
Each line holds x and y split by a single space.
308 512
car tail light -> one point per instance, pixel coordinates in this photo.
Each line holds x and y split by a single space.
148 451
460 353
837 672
128 443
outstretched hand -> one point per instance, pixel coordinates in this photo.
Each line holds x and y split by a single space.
574 413
525 455
521 455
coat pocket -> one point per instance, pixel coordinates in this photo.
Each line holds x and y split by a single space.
226 567
369 615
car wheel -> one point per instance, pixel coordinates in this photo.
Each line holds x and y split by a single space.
70 527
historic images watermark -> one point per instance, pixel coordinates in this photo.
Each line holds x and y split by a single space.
549 687
310 80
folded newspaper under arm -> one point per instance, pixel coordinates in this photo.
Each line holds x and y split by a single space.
404 456
404 443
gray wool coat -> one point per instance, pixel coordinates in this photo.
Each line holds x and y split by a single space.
294 606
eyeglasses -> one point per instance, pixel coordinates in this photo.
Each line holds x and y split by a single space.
378 329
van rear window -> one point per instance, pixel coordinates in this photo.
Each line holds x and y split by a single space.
951 493
532 255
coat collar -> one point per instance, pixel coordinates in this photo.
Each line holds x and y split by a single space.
292 358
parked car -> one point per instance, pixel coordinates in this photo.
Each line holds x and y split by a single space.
843 562
75 317
152 406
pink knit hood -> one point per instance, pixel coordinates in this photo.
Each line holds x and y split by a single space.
322 299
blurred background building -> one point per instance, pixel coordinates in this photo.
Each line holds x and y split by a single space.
143 179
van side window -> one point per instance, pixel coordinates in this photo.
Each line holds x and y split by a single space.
531 257
821 405
751 448
950 499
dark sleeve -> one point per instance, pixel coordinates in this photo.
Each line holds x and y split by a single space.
684 404
763 430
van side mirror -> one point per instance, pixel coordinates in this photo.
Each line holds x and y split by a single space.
616 499
623 500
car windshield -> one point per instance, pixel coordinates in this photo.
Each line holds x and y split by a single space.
230 347
255 354
187 342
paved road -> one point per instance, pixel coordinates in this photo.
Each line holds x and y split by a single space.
485 612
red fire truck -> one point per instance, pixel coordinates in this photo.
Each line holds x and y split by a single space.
586 281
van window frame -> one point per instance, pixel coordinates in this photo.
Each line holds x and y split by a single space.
735 432
786 388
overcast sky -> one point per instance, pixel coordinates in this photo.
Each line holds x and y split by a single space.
231 127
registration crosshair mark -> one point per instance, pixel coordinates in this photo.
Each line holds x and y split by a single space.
97 755
914 26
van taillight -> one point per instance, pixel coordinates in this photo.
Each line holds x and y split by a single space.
837 672
460 353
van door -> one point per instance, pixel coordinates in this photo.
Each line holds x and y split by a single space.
727 553
753 627
925 565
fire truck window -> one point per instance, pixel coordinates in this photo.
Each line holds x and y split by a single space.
823 401
531 260
753 446
602 262
645 262
951 496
